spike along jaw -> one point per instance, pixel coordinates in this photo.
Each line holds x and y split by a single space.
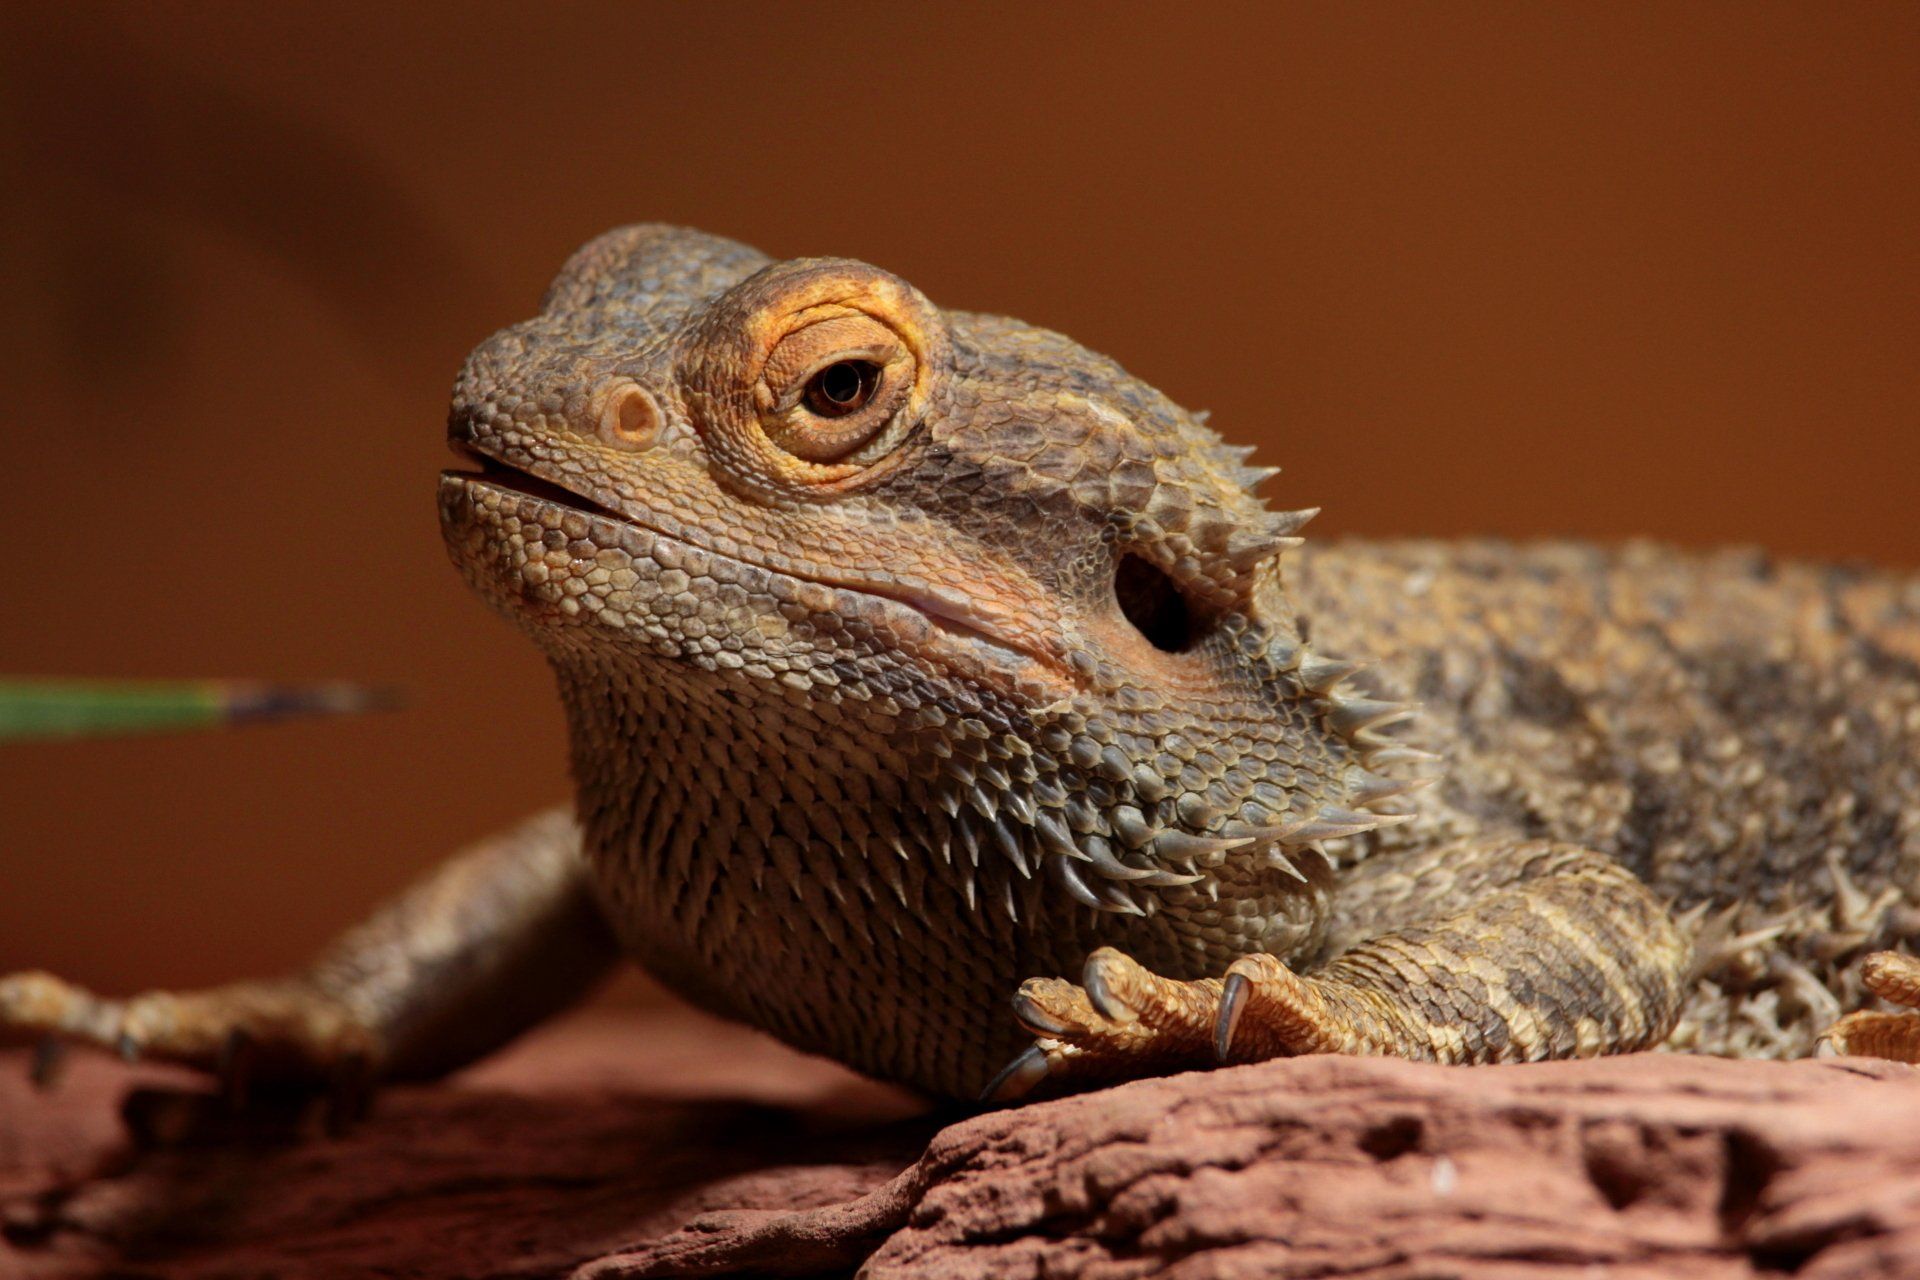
1204 738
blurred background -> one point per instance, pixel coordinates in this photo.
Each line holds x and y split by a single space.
1598 271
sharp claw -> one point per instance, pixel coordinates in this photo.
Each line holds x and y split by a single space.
1017 1078
1233 1002
1036 1019
49 1062
1093 980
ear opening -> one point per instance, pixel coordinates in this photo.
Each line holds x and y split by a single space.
1152 601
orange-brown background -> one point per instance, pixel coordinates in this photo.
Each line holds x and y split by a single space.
1531 270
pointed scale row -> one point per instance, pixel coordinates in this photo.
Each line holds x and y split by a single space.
994 812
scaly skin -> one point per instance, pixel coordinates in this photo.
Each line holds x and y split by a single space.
914 660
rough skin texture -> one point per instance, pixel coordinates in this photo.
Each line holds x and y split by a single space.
916 659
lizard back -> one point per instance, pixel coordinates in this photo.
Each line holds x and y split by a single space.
1742 732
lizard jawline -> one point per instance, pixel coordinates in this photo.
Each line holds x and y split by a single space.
493 473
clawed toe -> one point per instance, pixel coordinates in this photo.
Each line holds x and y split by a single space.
1122 1020
1233 1002
1892 976
1033 1005
58 1013
264 1043
1869 1034
1873 1034
1100 977
1018 1078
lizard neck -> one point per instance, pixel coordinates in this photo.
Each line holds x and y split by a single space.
704 790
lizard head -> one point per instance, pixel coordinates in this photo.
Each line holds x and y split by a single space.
798 504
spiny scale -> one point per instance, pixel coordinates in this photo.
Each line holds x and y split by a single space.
1033 822
1063 871
1173 843
1009 842
1246 548
1352 716
1091 867
1335 824
1374 788
1362 721
1101 855
1252 478
1321 675
1397 754
1277 532
1284 524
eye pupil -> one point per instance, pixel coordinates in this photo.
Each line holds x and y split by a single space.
842 387
840 383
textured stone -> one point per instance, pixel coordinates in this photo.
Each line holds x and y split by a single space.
599 1131
687 1147
1644 1166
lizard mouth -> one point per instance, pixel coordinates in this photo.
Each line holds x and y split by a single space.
503 475
946 615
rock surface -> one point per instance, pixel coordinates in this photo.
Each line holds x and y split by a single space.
666 1144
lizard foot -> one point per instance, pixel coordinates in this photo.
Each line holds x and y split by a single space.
1122 1021
1872 1034
272 1035
1126 1021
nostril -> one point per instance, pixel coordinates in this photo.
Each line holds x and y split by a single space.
629 416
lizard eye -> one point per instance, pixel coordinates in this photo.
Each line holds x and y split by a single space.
841 388
831 388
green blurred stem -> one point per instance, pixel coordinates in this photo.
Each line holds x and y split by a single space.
41 709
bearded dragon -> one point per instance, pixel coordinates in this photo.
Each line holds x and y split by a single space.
916 661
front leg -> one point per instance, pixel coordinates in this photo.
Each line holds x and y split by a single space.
1500 951
496 939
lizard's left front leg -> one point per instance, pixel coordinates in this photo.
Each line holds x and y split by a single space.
1492 951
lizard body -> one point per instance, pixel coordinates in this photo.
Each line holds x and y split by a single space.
913 658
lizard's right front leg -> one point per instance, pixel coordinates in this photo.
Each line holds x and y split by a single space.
1493 950
494 940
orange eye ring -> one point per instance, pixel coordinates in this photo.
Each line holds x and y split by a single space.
832 387
762 391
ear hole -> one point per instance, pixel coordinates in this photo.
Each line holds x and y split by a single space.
1153 603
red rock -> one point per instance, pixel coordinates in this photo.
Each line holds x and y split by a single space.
686 1147
601 1130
